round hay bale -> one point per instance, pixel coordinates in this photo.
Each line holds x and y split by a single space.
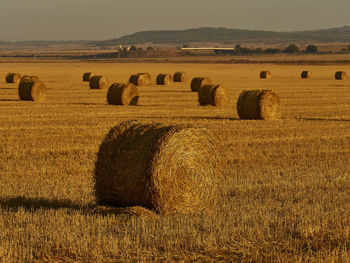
258 105
197 82
147 77
13 78
31 89
98 82
306 74
122 94
216 95
164 79
166 168
138 79
340 75
265 74
179 77
87 76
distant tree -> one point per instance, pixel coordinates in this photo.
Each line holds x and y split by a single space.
185 45
273 51
292 48
349 47
238 49
149 48
311 49
133 48
140 48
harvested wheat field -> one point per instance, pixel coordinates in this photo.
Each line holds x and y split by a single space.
284 185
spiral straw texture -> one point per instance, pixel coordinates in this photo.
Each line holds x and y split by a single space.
166 168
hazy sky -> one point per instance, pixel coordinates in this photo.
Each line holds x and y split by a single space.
106 19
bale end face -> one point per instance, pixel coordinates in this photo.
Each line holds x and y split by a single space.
122 94
98 82
164 79
265 74
340 75
166 168
258 105
198 82
13 78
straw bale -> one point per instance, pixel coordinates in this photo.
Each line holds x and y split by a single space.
87 76
340 75
258 104
166 168
122 94
164 79
13 78
99 82
306 74
179 77
216 95
31 89
147 77
138 79
197 82
265 74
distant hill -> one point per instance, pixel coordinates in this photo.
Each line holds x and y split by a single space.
231 36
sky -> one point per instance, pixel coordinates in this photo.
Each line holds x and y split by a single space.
107 19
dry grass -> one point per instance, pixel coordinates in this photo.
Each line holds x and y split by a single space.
284 189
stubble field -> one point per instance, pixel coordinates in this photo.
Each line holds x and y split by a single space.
284 185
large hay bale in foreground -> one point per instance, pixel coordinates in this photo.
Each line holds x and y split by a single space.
340 75
265 74
166 168
31 89
305 74
216 95
87 76
13 78
98 82
197 82
139 79
164 79
122 94
258 104
179 77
